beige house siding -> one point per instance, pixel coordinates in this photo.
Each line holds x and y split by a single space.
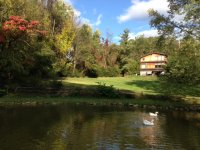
153 57
152 64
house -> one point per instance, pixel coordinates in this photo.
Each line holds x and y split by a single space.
152 64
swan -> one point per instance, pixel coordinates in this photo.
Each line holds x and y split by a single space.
153 114
148 123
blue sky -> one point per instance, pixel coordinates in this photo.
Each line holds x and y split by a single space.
113 16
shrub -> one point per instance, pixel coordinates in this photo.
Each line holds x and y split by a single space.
106 91
56 84
108 72
92 73
3 92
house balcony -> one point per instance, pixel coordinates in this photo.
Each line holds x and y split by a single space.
151 69
155 61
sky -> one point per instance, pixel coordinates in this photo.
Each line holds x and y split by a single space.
112 17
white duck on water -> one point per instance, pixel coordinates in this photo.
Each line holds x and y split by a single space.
148 123
153 114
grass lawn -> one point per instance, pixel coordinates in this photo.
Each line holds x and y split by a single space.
31 100
138 84
125 83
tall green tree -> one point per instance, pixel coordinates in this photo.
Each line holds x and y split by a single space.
124 51
188 25
184 62
63 46
82 49
125 37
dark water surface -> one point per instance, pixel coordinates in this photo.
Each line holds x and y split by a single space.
72 127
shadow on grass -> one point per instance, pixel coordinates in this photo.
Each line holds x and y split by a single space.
162 87
101 90
167 92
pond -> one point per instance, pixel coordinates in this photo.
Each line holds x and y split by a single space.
84 127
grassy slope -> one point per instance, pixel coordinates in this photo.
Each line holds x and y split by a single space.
138 84
12 99
146 85
125 83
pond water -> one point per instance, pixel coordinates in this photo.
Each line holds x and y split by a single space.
83 127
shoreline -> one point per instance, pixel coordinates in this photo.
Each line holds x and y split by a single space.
133 103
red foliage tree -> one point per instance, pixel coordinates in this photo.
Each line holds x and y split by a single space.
16 26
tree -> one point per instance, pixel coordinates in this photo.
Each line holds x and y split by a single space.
96 43
82 50
60 13
188 25
19 36
125 37
124 51
63 45
183 65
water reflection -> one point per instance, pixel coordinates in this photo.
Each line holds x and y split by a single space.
89 127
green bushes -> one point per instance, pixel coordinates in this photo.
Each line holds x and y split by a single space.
184 65
106 91
92 73
97 72
56 84
108 72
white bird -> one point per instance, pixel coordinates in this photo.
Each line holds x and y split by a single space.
153 114
148 123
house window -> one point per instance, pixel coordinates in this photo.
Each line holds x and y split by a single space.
156 58
143 66
158 66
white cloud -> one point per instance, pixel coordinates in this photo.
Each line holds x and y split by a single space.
68 2
77 13
139 9
85 21
92 23
145 33
116 38
82 19
89 22
98 22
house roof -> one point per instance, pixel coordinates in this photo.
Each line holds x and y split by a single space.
153 53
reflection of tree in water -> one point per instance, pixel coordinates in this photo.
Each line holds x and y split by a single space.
95 132
79 129
106 131
181 130
193 117
18 126
90 127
